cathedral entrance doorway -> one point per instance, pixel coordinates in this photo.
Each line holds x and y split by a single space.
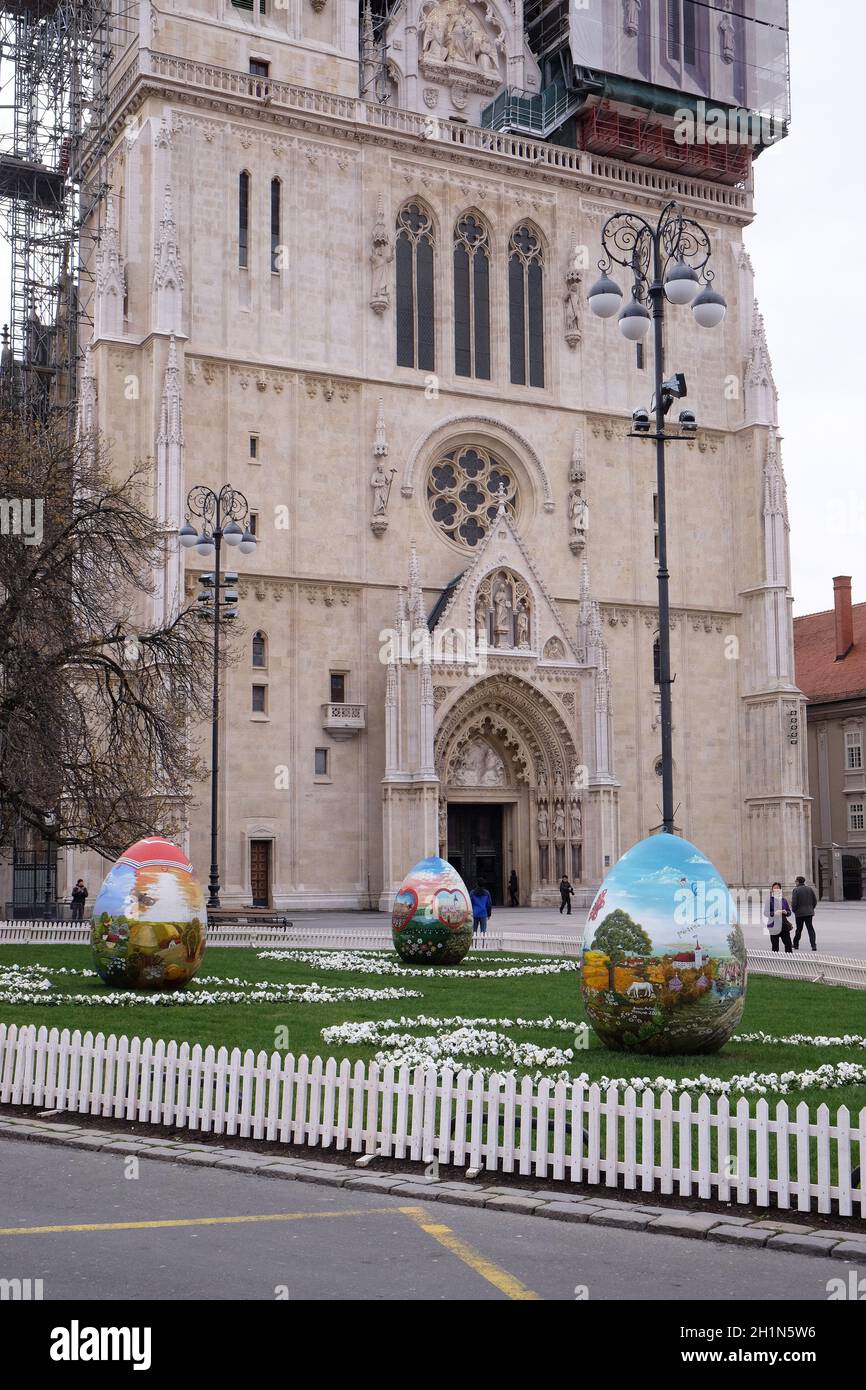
475 845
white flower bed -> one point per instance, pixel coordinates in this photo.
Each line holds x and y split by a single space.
454 1042
27 984
385 963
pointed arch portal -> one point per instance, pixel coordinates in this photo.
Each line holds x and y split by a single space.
510 789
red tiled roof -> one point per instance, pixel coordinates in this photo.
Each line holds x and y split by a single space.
819 675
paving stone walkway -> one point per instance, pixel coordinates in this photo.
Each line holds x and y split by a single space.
600 1208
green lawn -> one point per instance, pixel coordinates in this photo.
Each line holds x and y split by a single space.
773 1006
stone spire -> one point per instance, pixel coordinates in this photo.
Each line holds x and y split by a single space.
110 279
87 420
380 439
368 54
168 592
417 616
759 387
171 408
168 278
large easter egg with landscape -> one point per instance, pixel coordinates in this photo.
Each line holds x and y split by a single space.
148 924
663 959
431 921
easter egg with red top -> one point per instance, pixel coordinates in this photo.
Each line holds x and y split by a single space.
431 920
148 924
663 959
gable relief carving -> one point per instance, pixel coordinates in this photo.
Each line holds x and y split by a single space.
461 49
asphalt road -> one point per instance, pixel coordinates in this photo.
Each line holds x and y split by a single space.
199 1233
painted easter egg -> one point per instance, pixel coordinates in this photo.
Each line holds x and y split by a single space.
663 959
431 920
148 925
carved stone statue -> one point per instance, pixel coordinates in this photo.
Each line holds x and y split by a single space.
543 823
559 821
726 33
454 35
579 513
578 521
480 619
572 300
381 256
631 17
480 766
436 25
501 617
381 485
576 821
521 624
443 823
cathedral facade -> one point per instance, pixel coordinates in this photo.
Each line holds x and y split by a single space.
322 281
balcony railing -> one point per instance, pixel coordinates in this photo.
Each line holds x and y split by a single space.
352 110
344 721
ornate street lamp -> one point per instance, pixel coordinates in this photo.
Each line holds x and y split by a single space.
224 516
668 263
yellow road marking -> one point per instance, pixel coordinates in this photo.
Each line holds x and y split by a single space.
500 1278
189 1221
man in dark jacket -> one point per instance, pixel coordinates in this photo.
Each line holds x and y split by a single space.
79 898
804 900
565 895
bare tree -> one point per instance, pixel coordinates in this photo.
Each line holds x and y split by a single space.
96 701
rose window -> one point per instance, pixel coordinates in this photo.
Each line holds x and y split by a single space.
464 489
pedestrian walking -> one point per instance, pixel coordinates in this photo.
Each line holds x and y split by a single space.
565 895
804 900
482 909
79 897
512 889
779 919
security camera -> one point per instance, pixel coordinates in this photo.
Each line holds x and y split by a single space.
640 421
675 385
688 423
206 579
230 577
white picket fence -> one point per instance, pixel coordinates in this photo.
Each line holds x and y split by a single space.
564 1131
42 933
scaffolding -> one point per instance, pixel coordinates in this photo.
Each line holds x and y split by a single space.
55 57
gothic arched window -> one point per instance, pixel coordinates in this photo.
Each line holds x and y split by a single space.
276 191
259 650
414 256
526 306
471 298
244 220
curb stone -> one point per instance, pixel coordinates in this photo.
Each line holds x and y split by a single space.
803 1244
740 1235
631 1220
578 1208
850 1250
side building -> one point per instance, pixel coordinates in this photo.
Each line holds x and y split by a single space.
830 653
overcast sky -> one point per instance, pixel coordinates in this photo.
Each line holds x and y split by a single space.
810 199
811 282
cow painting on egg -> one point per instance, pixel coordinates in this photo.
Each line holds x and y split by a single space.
431 920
